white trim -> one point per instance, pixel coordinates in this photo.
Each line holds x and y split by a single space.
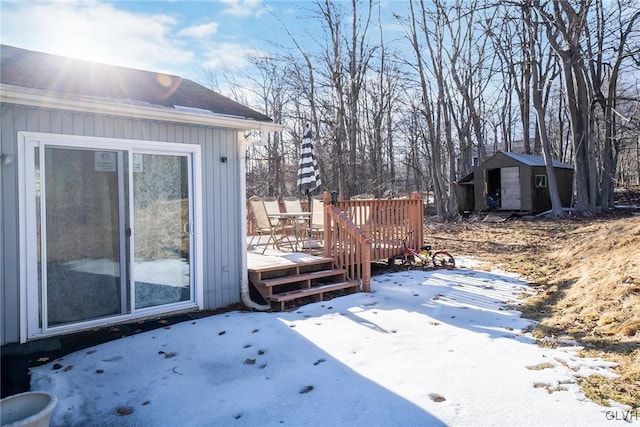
89 104
196 236
167 309
22 230
27 141
122 219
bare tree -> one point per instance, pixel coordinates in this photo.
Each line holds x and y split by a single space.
540 78
385 122
510 40
605 77
565 26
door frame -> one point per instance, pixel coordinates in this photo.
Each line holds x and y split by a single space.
29 310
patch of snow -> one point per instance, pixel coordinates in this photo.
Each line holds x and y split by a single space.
425 348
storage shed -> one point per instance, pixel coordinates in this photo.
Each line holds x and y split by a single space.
514 182
122 195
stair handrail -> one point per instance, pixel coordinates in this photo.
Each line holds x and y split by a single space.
347 244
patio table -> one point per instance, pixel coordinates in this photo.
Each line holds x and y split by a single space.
294 221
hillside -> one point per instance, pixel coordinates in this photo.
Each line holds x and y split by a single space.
587 276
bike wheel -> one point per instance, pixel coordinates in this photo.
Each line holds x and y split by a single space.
399 263
443 259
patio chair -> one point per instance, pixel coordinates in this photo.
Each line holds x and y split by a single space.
293 205
317 219
264 224
272 206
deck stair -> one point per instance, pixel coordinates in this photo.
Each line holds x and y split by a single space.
300 282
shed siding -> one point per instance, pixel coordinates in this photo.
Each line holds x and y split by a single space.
532 199
220 189
526 185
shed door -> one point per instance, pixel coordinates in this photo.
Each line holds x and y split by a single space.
510 188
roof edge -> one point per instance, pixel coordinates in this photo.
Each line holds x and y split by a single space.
527 158
40 98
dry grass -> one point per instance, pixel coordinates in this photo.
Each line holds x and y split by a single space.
587 276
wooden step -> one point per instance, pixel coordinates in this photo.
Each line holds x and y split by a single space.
293 265
316 291
301 277
288 280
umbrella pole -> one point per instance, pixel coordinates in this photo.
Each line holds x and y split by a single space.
310 220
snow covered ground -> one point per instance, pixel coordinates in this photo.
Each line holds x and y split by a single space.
423 349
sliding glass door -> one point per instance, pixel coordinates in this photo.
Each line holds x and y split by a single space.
109 232
162 229
83 231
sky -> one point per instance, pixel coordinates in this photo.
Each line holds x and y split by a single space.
425 348
176 37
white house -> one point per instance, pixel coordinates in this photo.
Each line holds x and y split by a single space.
122 195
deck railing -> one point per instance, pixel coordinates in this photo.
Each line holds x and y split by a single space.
347 244
386 222
359 231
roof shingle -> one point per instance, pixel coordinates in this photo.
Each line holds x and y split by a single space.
43 71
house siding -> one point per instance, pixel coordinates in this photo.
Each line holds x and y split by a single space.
221 199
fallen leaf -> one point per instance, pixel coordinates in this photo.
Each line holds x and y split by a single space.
306 389
250 361
68 368
436 397
123 410
222 332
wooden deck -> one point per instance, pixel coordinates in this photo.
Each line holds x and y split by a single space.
286 279
355 233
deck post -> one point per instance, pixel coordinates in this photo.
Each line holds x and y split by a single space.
366 269
328 232
418 219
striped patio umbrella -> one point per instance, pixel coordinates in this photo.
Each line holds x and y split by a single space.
308 173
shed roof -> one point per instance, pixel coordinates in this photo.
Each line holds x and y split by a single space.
52 74
531 160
